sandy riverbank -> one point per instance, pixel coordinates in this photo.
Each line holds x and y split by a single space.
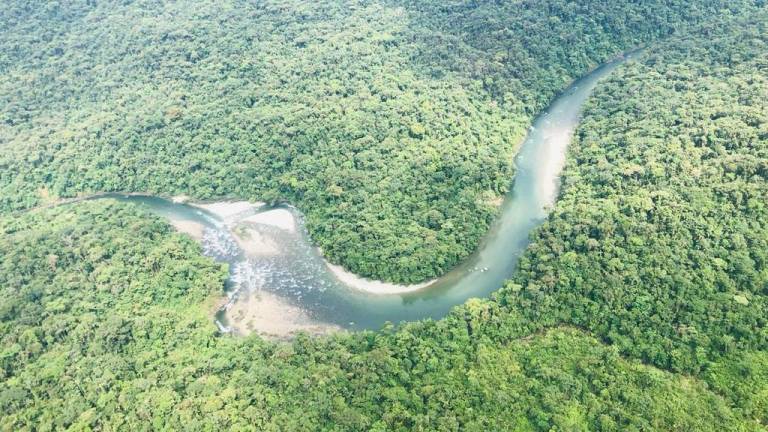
373 286
270 316
279 218
192 228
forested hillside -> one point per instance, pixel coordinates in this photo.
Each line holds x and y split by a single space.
641 304
104 326
659 241
390 125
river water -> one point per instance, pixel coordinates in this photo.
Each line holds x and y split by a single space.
299 275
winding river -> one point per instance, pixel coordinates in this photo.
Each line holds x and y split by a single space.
299 276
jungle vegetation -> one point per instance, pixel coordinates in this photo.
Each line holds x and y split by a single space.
105 325
659 241
391 125
640 305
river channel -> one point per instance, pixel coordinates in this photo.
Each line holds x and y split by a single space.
293 270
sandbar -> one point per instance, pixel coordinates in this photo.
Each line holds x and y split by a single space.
270 316
373 286
279 218
192 228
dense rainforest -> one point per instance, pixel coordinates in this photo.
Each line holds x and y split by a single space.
640 304
104 325
659 241
391 125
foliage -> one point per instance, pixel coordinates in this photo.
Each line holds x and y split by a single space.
104 326
640 305
658 242
391 125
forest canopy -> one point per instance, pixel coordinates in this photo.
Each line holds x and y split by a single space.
640 305
391 125
104 325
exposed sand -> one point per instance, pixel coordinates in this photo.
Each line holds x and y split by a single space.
180 199
255 243
229 209
279 218
270 316
192 228
372 286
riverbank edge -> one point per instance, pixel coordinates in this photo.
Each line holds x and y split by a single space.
223 209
